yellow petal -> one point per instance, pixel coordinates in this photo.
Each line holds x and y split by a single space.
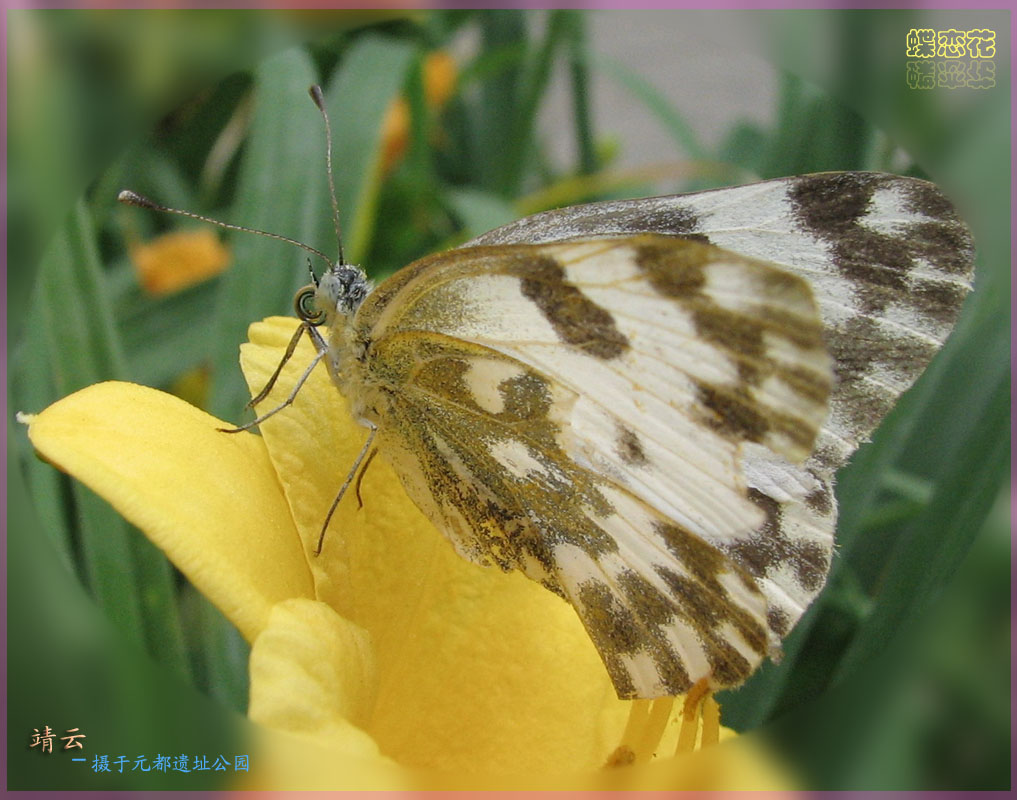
313 674
210 500
286 762
313 682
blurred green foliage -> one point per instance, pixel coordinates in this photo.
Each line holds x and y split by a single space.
896 678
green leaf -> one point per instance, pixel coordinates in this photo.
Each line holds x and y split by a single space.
164 635
76 341
218 650
281 190
479 211
494 117
30 389
370 77
579 74
930 548
534 81
74 314
165 336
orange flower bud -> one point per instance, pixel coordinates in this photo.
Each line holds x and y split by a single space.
176 260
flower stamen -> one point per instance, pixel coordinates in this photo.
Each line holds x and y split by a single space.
648 722
653 730
711 722
691 714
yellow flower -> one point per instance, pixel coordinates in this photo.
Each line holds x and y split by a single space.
387 661
174 261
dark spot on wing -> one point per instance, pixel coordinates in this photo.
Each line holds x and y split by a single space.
629 448
947 246
830 206
944 240
833 207
524 397
740 335
820 500
650 606
648 217
939 300
761 551
778 621
706 563
926 199
769 547
811 562
575 318
702 560
679 271
733 414
668 216
859 347
829 203
674 269
612 626
656 611
730 667
690 596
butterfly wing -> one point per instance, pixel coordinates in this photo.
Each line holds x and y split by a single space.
579 411
889 263
887 257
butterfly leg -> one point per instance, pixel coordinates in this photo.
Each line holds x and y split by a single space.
360 477
290 348
320 346
346 484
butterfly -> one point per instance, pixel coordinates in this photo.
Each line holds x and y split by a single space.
642 404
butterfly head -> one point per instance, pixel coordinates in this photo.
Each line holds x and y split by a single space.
338 293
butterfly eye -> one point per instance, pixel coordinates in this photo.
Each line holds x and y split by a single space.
303 304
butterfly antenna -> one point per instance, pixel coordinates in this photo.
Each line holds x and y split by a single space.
319 101
130 198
